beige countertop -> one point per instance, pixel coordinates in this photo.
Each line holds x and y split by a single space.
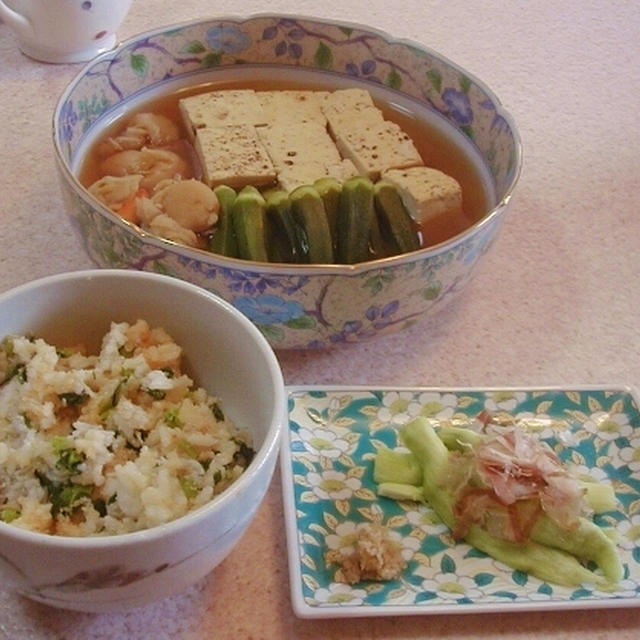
557 302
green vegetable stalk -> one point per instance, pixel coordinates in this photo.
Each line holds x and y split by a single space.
329 190
309 214
355 216
285 234
553 554
397 467
249 216
224 239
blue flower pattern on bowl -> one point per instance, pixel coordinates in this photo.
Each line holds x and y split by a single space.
268 309
228 39
304 311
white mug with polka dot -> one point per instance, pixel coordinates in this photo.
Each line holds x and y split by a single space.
64 30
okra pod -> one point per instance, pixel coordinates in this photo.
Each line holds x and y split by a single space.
250 224
309 214
355 216
285 233
224 239
395 221
329 190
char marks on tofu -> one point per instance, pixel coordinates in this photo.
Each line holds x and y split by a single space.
377 147
152 170
233 155
426 193
299 135
287 106
221 108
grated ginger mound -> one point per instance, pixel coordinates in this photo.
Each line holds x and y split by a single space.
375 557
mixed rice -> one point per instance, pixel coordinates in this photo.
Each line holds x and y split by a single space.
109 443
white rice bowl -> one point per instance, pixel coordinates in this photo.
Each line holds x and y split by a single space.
171 540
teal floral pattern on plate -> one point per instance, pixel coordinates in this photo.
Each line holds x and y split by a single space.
329 490
304 307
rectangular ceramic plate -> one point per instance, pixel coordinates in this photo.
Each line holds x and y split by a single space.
328 490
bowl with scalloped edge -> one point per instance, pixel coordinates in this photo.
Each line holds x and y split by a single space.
300 306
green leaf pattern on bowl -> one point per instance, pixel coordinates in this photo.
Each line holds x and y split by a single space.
294 312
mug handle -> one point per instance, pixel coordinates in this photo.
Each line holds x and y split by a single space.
15 20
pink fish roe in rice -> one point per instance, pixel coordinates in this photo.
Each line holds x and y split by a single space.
109 443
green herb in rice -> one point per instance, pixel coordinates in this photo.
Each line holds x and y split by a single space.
109 443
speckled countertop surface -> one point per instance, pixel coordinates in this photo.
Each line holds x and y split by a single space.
556 302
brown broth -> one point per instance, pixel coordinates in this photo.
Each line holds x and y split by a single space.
437 149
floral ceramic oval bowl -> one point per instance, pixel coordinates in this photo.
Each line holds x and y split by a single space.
294 306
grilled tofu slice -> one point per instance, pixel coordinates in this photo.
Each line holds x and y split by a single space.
292 106
221 108
233 155
426 193
345 108
378 147
301 152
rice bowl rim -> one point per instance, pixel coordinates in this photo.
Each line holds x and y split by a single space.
192 518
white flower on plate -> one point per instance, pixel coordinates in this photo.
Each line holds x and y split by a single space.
395 407
339 594
346 534
609 426
433 404
544 427
628 455
624 589
324 442
410 545
589 474
399 407
344 537
629 533
333 485
541 595
450 586
426 519
504 400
